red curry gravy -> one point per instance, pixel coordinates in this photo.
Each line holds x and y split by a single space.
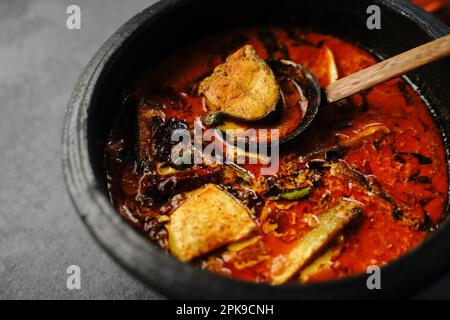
380 148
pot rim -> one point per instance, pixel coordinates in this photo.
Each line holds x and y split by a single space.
149 263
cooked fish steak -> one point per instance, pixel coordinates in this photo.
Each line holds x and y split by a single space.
243 87
208 219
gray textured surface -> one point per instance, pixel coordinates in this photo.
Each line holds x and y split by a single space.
40 234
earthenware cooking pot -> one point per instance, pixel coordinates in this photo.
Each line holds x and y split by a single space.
166 26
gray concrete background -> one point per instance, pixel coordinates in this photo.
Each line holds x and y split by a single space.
40 234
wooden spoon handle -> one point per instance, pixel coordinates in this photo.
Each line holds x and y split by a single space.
388 69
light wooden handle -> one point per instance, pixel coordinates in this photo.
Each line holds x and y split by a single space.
388 69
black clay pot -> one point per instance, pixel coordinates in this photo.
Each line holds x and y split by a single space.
168 25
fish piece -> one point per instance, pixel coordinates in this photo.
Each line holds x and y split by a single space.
320 60
246 254
320 263
331 223
207 220
366 132
243 87
325 68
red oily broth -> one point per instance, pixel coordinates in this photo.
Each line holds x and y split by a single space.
387 133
